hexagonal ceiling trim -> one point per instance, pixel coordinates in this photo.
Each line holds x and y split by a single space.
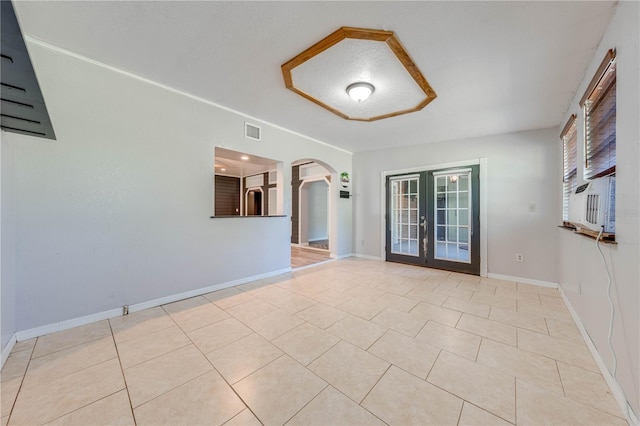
322 73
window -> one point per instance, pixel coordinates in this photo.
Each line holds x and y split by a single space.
599 105
569 139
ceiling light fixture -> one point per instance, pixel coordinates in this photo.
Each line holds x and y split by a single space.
360 91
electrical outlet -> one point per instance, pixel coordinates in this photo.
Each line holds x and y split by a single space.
519 257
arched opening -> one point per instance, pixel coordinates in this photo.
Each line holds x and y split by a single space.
313 212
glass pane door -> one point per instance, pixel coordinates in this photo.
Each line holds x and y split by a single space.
404 215
452 193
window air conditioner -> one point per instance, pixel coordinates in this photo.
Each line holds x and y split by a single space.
593 205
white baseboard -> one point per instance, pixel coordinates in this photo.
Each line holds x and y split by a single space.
614 386
366 256
522 280
7 349
76 322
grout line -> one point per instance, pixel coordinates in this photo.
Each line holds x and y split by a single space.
26 370
124 378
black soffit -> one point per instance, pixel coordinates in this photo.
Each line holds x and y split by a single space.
22 106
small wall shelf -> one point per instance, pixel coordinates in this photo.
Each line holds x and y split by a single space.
606 237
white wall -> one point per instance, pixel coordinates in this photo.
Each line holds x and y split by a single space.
8 237
117 210
317 214
521 170
582 274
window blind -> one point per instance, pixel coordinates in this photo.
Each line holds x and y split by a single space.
600 121
569 139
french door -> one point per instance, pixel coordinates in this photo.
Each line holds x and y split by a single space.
433 219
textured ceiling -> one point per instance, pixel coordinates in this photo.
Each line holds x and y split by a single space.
497 67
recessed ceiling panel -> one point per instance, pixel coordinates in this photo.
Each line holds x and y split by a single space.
322 73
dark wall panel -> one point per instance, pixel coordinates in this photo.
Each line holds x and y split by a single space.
227 196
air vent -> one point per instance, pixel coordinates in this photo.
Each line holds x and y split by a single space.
251 131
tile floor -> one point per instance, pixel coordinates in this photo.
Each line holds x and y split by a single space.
347 342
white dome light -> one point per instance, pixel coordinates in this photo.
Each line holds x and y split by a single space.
360 91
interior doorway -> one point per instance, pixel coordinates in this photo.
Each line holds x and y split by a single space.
312 208
253 202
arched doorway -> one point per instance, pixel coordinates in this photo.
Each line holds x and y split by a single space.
313 212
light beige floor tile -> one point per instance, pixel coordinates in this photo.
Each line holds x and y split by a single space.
355 330
41 402
8 393
559 314
454 291
552 301
503 302
470 381
24 345
411 355
361 307
305 343
569 351
294 303
15 366
409 324
333 408
401 398
201 313
490 329
273 323
431 312
228 297
271 294
219 334
398 303
536 406
112 410
532 298
588 388
450 339
141 323
207 399
365 291
4 420
475 416
399 288
500 283
67 361
478 287
419 273
321 315
464 277
518 319
427 295
522 364
243 357
75 336
531 288
563 330
245 418
473 308
141 349
349 369
332 297
278 391
344 284
250 309
154 377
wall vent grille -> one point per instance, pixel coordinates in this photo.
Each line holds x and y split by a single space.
251 131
